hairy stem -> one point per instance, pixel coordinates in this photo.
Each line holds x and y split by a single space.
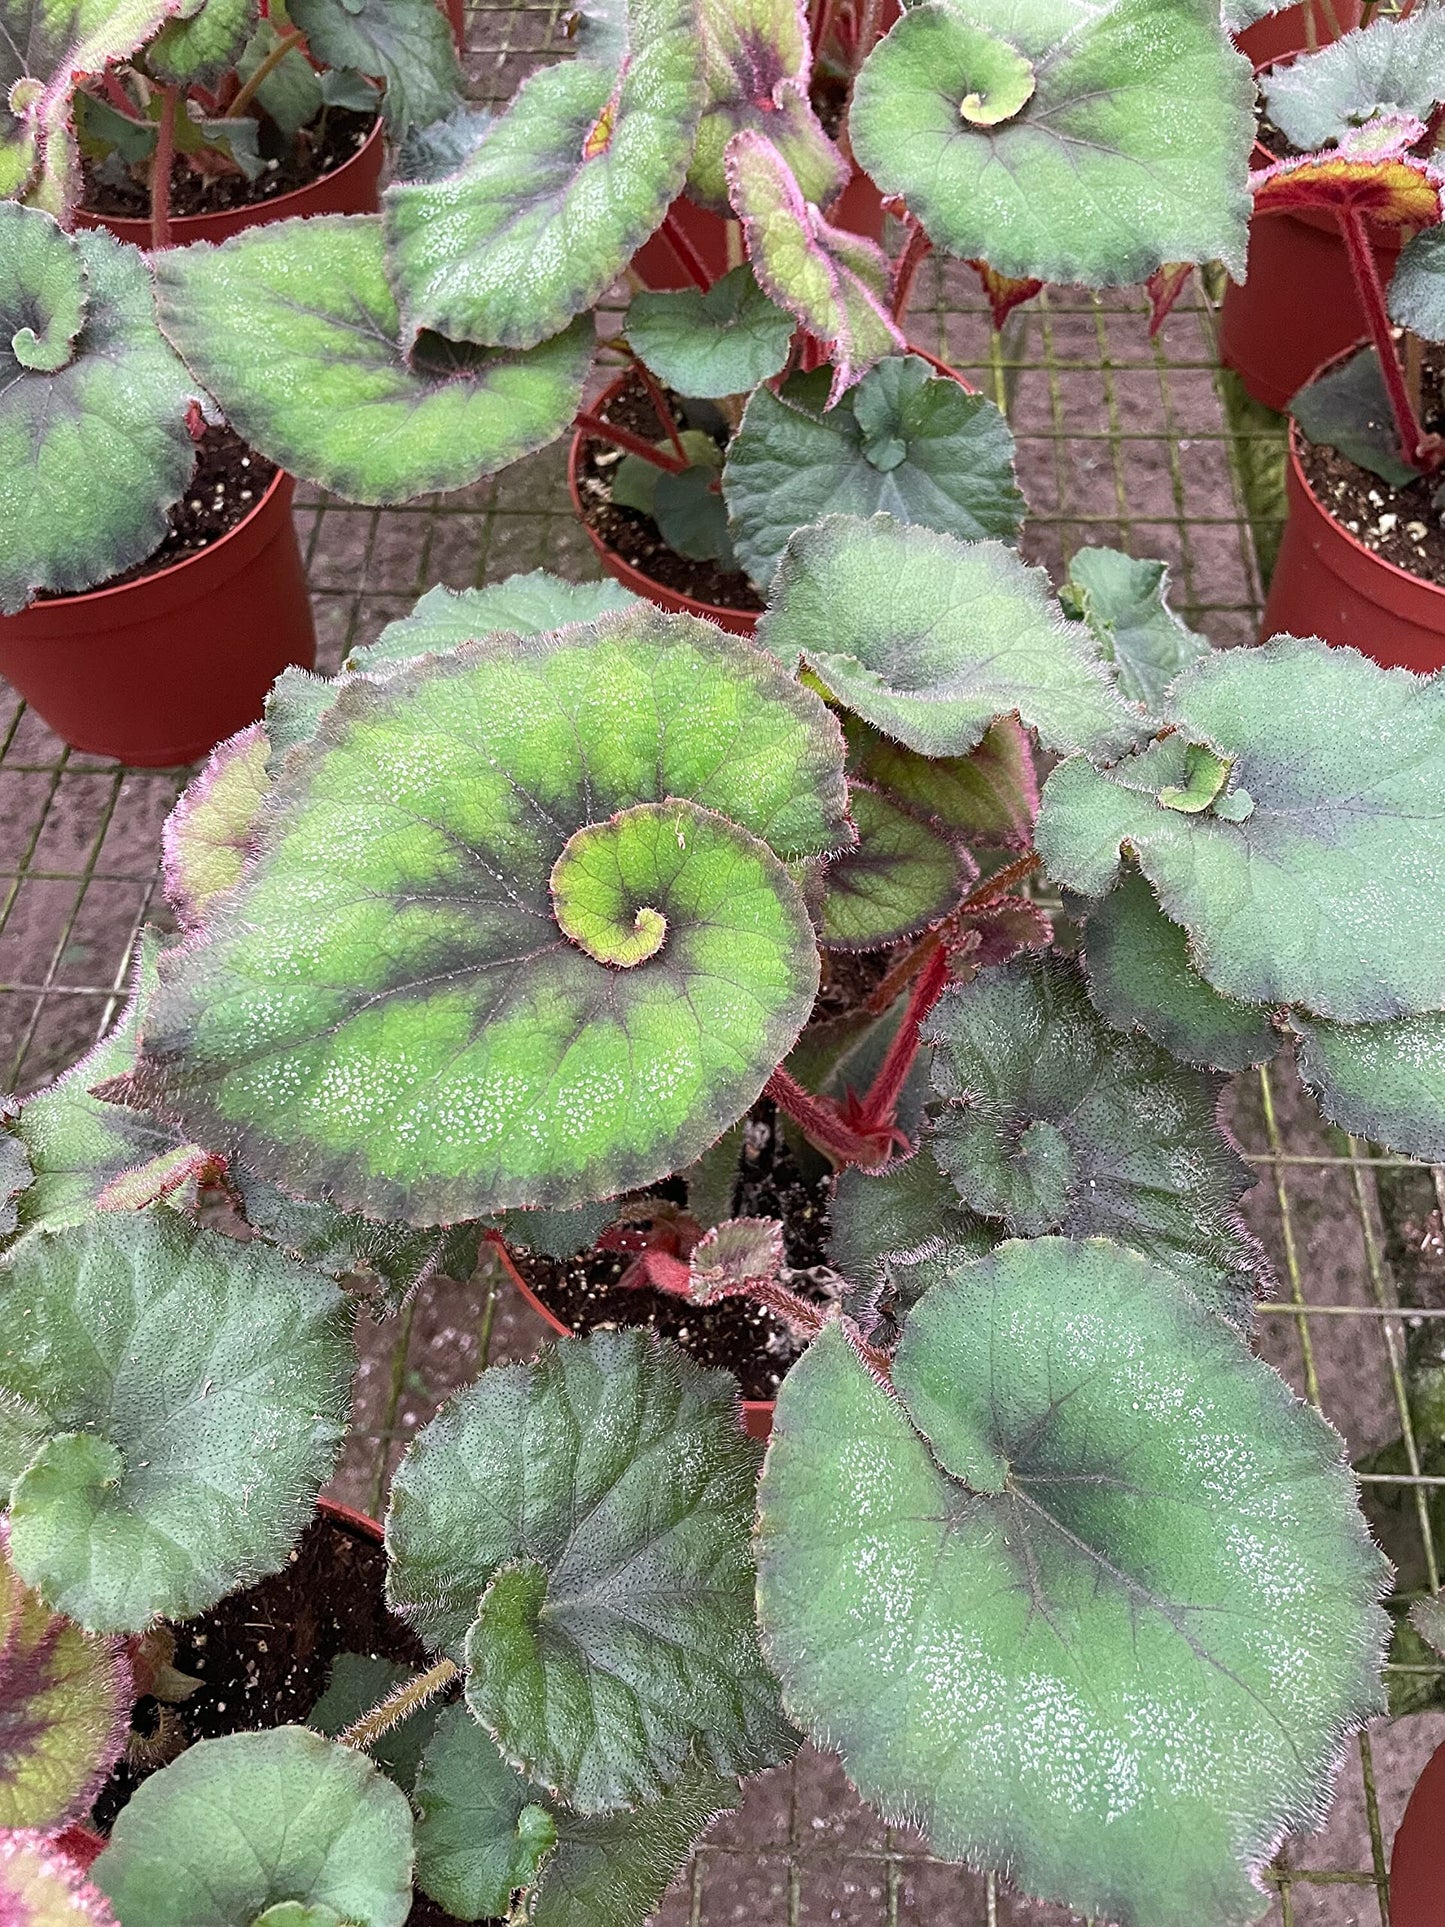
882 1099
268 66
161 163
607 431
1001 882
659 403
399 1704
823 1125
1413 443
693 264
916 251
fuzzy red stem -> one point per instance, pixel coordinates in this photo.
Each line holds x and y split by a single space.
607 431
883 1094
916 251
1001 882
692 262
161 162
660 407
818 1118
1372 298
119 99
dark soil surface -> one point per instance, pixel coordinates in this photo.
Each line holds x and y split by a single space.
1400 524
1273 141
634 536
327 144
228 482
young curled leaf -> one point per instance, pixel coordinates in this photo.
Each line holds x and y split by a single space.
734 1254
757 64
1130 1610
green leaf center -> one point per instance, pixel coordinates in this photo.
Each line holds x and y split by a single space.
1205 775
998 78
602 881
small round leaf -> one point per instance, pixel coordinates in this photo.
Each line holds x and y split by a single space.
722 341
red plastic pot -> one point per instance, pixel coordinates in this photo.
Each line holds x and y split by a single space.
1288 33
1417 1860
456 12
1297 306
757 1412
158 671
352 188
1327 583
739 622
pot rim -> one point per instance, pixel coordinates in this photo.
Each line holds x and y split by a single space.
550 1318
1349 541
187 228
711 611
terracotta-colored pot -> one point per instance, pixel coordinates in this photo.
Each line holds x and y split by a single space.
456 12
158 671
1327 583
1282 34
757 1412
739 622
1297 306
352 188
1417 1860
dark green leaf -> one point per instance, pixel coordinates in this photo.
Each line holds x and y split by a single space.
355 1684
690 516
1349 410
406 43
481 1829
201 41
902 1230
990 796
720 342
900 877
1385 1082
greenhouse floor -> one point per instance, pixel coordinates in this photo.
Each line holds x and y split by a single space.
1121 441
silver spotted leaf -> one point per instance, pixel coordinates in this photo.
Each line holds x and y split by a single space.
526 605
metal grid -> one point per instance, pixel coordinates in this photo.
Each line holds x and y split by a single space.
1121 441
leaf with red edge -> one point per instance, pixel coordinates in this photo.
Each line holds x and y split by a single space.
735 1254
1004 292
211 831
41 1887
757 64
1399 191
65 1700
1164 287
834 282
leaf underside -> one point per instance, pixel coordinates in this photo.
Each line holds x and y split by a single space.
397 1021
1129 1613
598 1501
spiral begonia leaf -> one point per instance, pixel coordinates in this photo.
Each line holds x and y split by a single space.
406 43
94 446
905 440
212 830
720 341
1392 66
1384 1082
1089 1599
65 1699
193 1392
1123 601
900 876
201 40
598 1503
1140 977
527 605
1052 1121
562 190
40 1887
835 282
78 1145
757 64
294 329
385 1010
1324 893
1130 151
240 1825
931 640
46 47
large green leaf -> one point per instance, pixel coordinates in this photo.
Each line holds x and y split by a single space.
757 64
1141 978
834 281
481 1829
1055 1122
201 40
598 1502
294 329
1089 1599
904 440
1315 877
65 1699
78 1145
239 1825
406 43
1384 1081
1063 141
527 605
94 446
1123 601
40 1887
193 1392
1348 407
930 639
387 1008
210 833
722 341
46 46
1392 67
990 796
901 876
564 187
